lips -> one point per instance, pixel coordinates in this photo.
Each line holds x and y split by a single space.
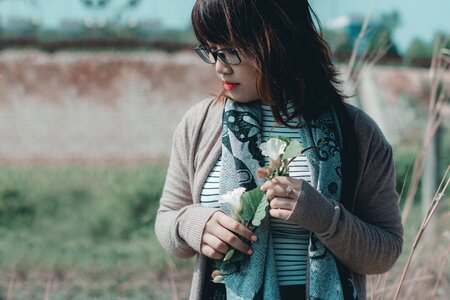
230 85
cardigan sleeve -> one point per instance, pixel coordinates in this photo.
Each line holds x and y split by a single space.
179 222
369 241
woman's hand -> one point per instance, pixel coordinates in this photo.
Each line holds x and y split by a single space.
221 232
282 193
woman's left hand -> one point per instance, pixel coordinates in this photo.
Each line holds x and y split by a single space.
282 193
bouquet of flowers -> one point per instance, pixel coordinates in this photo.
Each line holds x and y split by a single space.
250 207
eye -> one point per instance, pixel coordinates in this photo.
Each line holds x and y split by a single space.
221 54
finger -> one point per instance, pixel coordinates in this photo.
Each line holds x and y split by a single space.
278 191
282 203
280 186
267 185
282 214
210 252
280 180
236 227
294 183
215 273
232 240
215 243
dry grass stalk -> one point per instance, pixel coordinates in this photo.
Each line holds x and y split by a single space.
370 61
173 285
362 33
439 96
383 292
364 60
436 200
419 273
11 284
440 276
48 287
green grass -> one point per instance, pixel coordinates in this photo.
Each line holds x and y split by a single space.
80 218
91 228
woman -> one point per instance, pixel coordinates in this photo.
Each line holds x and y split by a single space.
334 219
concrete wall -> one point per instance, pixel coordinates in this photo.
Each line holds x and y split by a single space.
96 107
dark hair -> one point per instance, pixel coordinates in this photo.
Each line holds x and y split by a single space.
280 39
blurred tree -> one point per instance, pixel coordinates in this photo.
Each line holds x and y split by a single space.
343 44
378 36
35 22
419 48
383 33
105 3
113 26
95 3
338 41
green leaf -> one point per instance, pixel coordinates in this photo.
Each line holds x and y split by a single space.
229 254
222 264
260 211
250 201
237 257
284 139
294 149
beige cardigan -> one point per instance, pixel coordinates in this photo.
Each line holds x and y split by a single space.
368 242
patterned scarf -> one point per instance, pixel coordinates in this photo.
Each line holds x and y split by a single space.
241 157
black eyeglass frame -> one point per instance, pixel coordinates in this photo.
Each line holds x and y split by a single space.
216 54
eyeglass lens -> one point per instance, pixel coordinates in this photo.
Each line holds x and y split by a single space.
227 56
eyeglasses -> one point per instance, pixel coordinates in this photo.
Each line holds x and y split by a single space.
228 56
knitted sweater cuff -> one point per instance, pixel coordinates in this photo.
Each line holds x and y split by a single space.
192 224
314 212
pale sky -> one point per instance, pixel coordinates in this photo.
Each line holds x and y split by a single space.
419 18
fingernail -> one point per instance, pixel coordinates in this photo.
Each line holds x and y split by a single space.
250 252
254 238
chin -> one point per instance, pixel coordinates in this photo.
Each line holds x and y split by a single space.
240 99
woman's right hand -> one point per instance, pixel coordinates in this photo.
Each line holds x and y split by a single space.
221 232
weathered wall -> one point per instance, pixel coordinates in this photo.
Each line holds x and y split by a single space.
96 107
110 106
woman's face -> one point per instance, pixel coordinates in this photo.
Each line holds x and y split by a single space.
239 81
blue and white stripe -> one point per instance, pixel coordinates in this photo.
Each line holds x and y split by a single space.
290 242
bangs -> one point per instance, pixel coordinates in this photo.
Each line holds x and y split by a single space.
210 22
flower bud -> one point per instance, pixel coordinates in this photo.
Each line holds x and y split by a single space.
262 173
218 279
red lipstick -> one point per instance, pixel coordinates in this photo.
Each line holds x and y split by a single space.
230 85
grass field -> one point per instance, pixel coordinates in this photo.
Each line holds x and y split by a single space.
87 232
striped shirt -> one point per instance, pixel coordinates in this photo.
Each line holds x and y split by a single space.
290 242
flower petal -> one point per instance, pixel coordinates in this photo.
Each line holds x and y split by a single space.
273 148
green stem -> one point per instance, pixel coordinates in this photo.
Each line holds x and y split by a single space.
283 169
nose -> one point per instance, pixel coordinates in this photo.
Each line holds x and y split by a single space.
222 68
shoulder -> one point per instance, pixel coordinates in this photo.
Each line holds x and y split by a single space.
204 115
201 107
368 133
196 114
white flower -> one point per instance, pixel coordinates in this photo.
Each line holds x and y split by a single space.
233 198
273 148
218 279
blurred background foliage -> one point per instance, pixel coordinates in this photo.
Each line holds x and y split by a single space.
90 226
81 231
87 216
122 25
